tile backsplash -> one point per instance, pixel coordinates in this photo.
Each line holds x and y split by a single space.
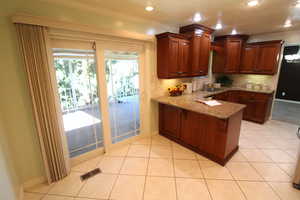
241 80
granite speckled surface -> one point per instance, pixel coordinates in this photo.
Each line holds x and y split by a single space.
223 111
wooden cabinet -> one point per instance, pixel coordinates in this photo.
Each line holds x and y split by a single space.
227 53
170 120
214 138
200 39
185 54
249 58
258 105
199 56
172 55
261 57
192 128
268 57
233 55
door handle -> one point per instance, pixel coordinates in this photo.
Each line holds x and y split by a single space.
298 133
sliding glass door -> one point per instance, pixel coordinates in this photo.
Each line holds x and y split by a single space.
99 94
79 99
122 78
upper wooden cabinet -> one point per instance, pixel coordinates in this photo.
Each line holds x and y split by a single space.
227 53
185 54
172 55
261 57
200 38
268 57
249 58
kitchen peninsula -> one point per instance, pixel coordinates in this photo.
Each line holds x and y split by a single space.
210 131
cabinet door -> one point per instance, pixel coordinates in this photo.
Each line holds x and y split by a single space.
249 59
268 58
204 54
214 137
233 56
174 57
233 96
199 54
248 111
191 128
169 120
221 96
183 58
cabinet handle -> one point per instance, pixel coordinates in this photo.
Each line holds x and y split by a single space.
179 72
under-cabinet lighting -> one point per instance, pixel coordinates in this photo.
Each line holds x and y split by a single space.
233 32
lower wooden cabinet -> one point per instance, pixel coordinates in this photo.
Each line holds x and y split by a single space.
258 105
214 138
169 120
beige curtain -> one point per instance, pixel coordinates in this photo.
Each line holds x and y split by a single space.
33 47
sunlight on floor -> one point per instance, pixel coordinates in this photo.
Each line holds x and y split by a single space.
78 120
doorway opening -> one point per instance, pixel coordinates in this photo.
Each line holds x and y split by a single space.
287 103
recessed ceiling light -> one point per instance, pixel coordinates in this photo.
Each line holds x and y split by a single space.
197 17
149 8
233 32
219 26
288 23
253 3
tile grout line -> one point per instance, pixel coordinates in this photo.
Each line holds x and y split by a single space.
273 190
174 174
119 172
205 180
236 182
144 189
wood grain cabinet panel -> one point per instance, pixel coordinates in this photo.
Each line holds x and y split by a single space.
172 55
227 53
249 58
192 128
185 54
214 138
258 105
268 57
170 120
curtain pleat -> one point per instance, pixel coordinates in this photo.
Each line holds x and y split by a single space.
33 46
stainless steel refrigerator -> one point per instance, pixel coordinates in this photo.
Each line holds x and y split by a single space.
296 181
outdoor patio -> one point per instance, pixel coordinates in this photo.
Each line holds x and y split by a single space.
83 127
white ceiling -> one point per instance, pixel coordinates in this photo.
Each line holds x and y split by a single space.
269 16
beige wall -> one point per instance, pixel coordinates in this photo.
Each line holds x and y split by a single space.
290 37
15 102
10 186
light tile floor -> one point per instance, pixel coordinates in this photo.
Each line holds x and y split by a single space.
158 169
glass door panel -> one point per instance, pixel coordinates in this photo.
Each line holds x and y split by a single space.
77 85
122 78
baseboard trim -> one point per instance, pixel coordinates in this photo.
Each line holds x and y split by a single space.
34 182
288 101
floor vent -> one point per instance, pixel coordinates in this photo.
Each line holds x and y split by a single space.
90 174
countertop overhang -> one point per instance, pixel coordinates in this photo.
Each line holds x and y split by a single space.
223 111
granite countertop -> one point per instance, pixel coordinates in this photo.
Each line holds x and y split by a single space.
224 111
